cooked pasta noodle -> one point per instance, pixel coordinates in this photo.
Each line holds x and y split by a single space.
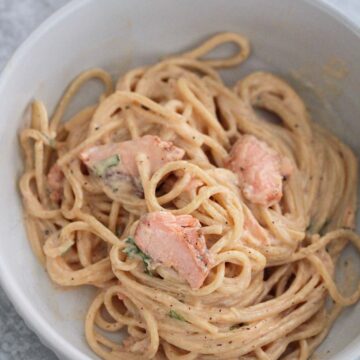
265 292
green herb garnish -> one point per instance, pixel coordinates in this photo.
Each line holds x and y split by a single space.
133 250
174 315
101 166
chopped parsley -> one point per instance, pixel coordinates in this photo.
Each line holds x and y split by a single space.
174 315
133 250
101 167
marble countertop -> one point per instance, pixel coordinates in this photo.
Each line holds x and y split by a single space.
17 19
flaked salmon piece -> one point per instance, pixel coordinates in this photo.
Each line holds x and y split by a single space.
55 180
116 162
260 170
159 153
177 242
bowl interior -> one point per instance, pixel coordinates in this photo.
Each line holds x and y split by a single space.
315 51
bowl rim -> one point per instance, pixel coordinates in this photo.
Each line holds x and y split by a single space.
23 306
34 319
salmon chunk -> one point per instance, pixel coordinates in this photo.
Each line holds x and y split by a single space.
55 180
175 241
260 170
116 162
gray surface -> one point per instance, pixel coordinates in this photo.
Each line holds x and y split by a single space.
17 19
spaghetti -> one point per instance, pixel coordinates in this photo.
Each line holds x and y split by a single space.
271 267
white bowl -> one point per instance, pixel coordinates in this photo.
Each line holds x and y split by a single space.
299 40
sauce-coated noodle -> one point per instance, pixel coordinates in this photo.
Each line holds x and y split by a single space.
264 297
